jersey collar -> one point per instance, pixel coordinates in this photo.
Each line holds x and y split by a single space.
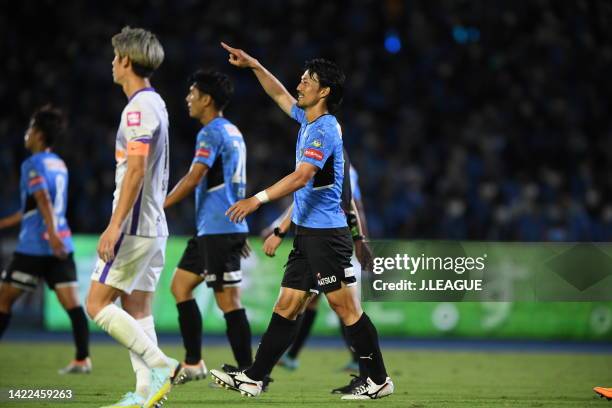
147 89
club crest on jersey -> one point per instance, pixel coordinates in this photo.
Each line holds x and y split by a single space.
32 173
317 143
133 118
313 154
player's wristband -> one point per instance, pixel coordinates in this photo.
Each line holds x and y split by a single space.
262 196
278 233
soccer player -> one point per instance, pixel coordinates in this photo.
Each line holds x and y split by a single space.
353 207
45 248
218 175
131 249
322 249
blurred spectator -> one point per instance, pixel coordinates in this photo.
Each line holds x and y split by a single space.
466 120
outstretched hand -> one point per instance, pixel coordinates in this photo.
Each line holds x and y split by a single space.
239 58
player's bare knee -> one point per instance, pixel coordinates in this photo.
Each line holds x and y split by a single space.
289 310
228 301
68 303
180 291
8 295
68 297
93 307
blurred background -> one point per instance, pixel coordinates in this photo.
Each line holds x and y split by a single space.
465 120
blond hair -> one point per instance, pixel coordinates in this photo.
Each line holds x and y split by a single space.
142 48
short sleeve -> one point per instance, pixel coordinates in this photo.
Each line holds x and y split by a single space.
35 179
298 114
140 123
207 146
319 145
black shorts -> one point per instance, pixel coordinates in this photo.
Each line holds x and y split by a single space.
216 258
320 260
25 271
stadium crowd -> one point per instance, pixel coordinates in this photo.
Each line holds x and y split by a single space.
465 120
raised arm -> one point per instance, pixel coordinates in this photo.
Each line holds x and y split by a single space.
273 87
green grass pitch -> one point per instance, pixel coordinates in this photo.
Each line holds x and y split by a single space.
423 379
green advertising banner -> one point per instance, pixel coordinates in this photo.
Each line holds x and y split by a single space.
449 319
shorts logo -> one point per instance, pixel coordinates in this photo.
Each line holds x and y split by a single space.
313 154
325 280
133 118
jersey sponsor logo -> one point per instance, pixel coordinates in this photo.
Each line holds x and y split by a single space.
313 154
326 280
203 153
133 118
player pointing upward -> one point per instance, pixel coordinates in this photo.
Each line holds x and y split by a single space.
322 249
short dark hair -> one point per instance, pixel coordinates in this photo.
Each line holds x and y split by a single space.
50 121
329 75
214 83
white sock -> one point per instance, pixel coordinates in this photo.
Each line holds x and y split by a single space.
124 328
143 374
